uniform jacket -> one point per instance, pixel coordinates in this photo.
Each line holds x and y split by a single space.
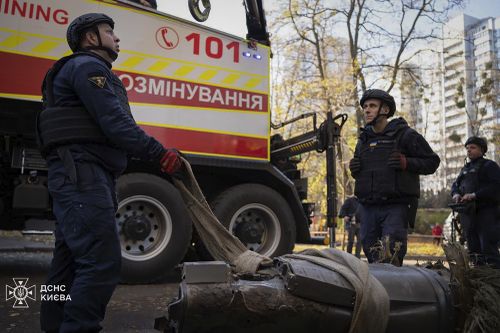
87 80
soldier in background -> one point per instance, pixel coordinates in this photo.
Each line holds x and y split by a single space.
349 212
477 187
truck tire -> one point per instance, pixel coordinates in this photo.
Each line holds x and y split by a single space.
259 216
153 225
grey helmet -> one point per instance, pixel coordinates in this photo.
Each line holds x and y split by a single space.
84 22
382 96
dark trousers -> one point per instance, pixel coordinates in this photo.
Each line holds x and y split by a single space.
482 232
380 221
87 254
353 232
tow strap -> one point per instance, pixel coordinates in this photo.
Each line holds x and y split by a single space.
221 244
371 306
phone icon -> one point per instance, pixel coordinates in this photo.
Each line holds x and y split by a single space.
167 37
164 33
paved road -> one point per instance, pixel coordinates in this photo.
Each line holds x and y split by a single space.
131 309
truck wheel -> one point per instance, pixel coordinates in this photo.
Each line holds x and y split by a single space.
153 225
259 216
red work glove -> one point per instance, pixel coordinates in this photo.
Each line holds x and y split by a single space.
397 161
171 162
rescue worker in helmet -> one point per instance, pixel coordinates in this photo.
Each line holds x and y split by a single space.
388 159
477 188
86 131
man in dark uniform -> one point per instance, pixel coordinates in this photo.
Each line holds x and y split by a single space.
477 187
86 131
387 162
349 212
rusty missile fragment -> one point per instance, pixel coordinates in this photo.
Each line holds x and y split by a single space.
299 296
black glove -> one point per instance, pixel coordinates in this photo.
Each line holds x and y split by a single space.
355 166
397 161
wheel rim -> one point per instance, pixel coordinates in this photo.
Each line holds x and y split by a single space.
258 227
144 226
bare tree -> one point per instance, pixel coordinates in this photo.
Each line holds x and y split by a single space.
385 35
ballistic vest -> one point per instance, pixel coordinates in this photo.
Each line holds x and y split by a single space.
468 179
63 125
379 183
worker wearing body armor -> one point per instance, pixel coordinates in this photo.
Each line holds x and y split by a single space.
387 162
477 188
85 132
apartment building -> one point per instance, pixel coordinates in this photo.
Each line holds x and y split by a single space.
470 58
454 93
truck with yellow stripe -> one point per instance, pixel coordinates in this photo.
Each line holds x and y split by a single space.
200 90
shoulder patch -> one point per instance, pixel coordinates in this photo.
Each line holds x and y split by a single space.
99 81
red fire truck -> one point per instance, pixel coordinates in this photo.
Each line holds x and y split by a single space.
200 90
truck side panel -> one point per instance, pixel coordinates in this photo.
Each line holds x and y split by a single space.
204 92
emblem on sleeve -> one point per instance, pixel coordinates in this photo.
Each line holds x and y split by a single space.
99 81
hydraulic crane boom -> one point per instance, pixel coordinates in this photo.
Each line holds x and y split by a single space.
256 22
324 137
